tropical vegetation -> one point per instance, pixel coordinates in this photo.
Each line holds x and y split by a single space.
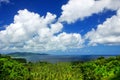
99 69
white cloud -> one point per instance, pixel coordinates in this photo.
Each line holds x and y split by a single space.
67 41
55 28
79 9
32 32
106 33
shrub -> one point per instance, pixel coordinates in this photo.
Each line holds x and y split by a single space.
12 70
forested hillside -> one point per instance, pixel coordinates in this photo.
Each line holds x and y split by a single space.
99 69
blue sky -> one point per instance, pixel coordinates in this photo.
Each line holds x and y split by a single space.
60 26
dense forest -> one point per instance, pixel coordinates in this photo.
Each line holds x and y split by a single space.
99 69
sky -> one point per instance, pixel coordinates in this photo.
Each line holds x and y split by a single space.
79 27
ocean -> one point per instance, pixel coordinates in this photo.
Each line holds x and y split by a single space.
62 58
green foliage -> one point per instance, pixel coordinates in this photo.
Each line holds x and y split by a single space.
59 71
21 60
12 70
99 69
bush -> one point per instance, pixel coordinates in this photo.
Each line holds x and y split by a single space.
12 70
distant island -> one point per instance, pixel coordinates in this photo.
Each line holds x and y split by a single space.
20 54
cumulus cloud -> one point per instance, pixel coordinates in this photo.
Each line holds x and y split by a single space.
106 33
32 32
79 9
